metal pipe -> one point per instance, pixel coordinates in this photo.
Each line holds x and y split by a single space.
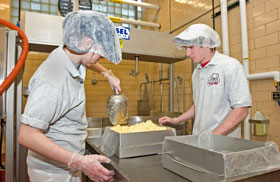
136 15
76 5
10 109
136 64
140 91
177 93
181 81
21 152
19 10
169 16
224 18
161 71
135 73
136 3
161 93
152 96
171 87
245 54
134 22
3 73
213 13
184 96
266 75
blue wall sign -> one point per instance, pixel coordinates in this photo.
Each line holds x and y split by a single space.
123 32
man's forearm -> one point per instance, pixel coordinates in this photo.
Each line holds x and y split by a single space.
232 121
187 115
98 68
36 141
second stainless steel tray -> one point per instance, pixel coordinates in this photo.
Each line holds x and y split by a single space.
214 157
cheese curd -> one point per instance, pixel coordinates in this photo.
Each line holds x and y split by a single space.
140 127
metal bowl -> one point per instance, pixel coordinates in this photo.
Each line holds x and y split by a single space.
137 119
103 122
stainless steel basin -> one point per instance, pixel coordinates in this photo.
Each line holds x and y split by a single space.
98 122
102 122
94 132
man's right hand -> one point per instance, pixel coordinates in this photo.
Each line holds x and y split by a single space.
167 120
92 167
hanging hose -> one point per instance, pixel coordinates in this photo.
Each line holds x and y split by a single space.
9 80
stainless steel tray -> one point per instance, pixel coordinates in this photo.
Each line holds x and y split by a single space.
141 143
215 158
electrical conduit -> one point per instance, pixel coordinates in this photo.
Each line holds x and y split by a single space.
224 21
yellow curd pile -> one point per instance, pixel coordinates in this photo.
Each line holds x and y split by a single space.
140 127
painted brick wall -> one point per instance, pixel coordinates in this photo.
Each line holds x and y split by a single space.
263 29
263 21
97 94
5 9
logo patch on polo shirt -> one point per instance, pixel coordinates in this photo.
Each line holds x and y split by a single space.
214 79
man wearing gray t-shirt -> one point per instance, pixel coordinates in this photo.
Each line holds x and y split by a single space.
53 125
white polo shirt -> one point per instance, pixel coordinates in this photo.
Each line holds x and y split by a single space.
218 88
56 105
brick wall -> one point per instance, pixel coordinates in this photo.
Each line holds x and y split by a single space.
97 94
264 17
263 21
263 30
5 9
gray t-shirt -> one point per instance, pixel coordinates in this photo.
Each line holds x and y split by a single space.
56 106
218 88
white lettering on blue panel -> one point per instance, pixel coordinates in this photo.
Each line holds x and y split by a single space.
123 32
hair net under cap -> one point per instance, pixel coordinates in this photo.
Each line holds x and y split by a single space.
79 25
199 35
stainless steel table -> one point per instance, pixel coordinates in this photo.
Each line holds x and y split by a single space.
149 169
139 169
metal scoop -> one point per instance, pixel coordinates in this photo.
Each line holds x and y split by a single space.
117 108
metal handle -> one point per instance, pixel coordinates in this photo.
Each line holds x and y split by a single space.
189 166
192 167
116 91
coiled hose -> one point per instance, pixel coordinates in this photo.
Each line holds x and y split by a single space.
9 80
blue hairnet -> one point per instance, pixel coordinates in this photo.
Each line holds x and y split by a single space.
199 35
81 25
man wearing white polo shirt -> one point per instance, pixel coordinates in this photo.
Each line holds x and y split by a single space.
221 93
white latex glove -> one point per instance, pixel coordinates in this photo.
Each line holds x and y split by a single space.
91 166
167 120
113 80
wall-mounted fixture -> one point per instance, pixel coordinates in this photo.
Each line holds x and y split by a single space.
276 96
259 124
181 81
135 72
